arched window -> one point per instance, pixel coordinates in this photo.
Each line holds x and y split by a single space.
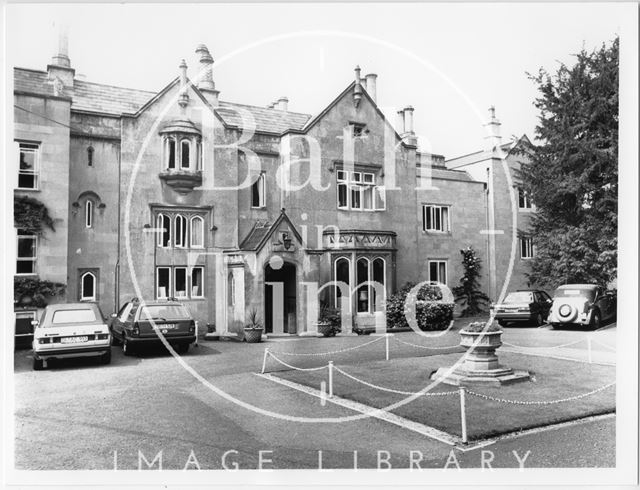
88 214
171 153
231 290
163 225
181 231
379 279
197 232
88 287
362 276
342 271
90 156
185 150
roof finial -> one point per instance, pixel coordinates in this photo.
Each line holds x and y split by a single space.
184 96
357 90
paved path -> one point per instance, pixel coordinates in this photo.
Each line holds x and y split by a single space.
77 414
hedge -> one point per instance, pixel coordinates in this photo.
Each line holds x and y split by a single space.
428 314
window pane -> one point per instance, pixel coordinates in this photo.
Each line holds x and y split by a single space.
181 231
380 197
445 219
74 316
341 175
355 198
164 282
429 212
166 231
342 196
367 197
342 275
180 282
433 271
197 231
25 266
438 223
185 148
88 287
26 247
196 283
362 276
379 279
89 214
172 154
442 272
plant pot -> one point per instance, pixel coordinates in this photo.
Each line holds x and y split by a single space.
253 335
324 329
481 356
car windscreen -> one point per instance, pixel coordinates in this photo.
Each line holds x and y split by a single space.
519 297
164 312
574 293
86 315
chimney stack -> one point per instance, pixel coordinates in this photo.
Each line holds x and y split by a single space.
492 128
206 83
60 67
371 85
400 123
184 95
357 89
282 103
408 119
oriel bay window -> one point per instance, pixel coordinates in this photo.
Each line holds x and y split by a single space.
359 191
370 283
180 282
182 153
180 230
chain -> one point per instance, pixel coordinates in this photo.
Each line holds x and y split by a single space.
381 388
427 347
543 347
549 402
328 353
297 368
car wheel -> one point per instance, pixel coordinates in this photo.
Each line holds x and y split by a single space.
502 323
114 339
182 348
38 365
127 348
106 357
595 320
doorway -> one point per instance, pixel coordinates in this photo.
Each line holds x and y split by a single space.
280 317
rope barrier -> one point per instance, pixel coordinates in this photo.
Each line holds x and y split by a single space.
543 347
295 367
390 390
428 347
301 354
546 402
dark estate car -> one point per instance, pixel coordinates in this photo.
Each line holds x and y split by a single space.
582 304
529 306
70 330
135 325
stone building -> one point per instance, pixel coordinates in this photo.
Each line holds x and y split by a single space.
231 207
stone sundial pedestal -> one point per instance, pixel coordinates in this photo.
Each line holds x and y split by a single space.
480 365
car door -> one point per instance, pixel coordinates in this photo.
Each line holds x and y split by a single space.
120 319
602 303
545 303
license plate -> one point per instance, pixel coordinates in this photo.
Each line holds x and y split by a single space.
167 326
74 340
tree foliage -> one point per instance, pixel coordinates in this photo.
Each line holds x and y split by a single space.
469 288
572 176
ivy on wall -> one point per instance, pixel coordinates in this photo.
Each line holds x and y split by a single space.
31 215
31 291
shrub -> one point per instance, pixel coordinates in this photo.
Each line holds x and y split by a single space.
477 327
36 290
428 315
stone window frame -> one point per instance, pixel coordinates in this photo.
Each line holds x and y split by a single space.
21 235
171 289
172 157
431 209
527 248
259 187
89 207
33 147
438 262
187 217
370 259
93 272
358 182
524 200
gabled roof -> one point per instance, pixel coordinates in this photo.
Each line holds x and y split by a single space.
97 97
266 120
482 155
262 230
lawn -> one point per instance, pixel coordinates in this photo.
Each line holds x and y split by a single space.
554 379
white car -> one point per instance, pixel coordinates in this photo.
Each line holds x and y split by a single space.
71 330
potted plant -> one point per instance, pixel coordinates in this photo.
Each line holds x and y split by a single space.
328 321
253 329
482 342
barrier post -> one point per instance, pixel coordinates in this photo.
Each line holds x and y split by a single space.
463 414
330 379
386 339
264 359
195 344
589 348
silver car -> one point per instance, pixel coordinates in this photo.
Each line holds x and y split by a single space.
71 330
582 304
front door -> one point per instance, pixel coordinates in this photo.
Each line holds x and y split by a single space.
280 299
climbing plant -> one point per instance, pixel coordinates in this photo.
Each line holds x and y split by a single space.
469 288
31 215
31 291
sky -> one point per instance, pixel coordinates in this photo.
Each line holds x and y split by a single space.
449 61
